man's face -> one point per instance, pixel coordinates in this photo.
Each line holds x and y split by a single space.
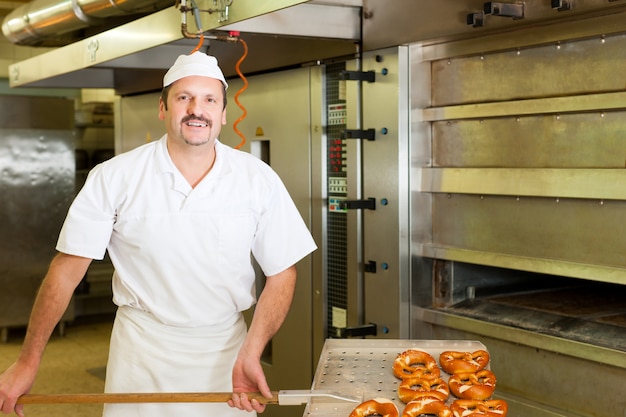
195 110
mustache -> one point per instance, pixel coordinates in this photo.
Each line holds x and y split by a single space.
197 119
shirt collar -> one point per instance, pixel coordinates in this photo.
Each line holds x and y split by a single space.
164 163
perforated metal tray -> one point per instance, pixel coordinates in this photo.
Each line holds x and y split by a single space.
363 368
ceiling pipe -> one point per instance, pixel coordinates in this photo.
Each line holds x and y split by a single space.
39 20
200 34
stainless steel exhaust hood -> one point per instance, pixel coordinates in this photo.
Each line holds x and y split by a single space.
42 22
133 57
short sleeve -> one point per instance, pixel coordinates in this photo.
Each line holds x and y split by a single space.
89 223
282 237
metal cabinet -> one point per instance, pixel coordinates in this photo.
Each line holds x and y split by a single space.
36 189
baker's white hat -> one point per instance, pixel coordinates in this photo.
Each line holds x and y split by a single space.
197 63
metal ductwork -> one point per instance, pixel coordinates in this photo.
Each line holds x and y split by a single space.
41 20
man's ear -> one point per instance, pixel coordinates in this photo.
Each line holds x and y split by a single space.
162 109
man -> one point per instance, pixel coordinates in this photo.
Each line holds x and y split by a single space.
180 218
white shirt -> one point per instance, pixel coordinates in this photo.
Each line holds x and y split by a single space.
183 253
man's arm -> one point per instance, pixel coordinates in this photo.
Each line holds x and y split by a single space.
269 314
64 275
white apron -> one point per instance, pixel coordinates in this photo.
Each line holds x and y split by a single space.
148 356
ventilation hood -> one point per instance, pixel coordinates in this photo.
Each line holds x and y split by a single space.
59 22
133 57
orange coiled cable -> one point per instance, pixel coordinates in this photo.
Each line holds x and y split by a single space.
241 90
199 45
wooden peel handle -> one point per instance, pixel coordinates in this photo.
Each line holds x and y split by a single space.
149 397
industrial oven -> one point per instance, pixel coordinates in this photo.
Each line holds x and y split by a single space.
506 142
524 244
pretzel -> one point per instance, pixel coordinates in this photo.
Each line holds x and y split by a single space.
415 364
413 388
376 407
454 362
473 385
479 408
427 405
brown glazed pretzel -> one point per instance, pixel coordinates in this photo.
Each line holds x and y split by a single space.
376 407
412 388
454 362
473 385
415 364
427 405
479 408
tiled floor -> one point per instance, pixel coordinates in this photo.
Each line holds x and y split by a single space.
73 363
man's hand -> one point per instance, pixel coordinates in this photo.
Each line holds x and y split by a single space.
16 381
269 314
248 376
